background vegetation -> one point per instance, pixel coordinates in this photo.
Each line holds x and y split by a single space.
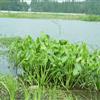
14 5
69 6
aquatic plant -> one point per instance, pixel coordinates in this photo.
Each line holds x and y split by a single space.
10 85
49 62
6 41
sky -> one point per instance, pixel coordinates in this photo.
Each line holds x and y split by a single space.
29 1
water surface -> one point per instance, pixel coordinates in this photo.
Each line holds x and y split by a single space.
71 30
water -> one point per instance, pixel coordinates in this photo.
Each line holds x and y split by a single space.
71 30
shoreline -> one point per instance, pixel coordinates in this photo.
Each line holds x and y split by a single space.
49 15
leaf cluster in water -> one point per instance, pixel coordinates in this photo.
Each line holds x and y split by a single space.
49 62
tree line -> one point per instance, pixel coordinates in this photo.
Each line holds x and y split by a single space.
68 6
14 5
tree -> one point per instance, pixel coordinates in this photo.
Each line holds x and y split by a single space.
15 5
92 6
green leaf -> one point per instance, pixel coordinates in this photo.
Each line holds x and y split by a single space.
77 69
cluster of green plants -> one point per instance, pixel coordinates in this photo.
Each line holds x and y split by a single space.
90 18
7 41
47 62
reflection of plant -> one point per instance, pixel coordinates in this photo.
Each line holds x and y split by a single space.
47 62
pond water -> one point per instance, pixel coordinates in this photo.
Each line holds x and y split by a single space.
4 66
71 30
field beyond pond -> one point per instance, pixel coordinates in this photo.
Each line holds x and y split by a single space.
47 15
49 65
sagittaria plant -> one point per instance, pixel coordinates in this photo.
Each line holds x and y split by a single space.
56 62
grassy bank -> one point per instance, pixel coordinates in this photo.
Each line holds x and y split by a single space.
45 15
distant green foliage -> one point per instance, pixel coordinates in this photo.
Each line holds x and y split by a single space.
71 6
45 15
49 62
14 5
88 6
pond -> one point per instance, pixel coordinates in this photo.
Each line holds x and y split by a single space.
72 30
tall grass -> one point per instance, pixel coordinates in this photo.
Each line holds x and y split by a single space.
49 62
